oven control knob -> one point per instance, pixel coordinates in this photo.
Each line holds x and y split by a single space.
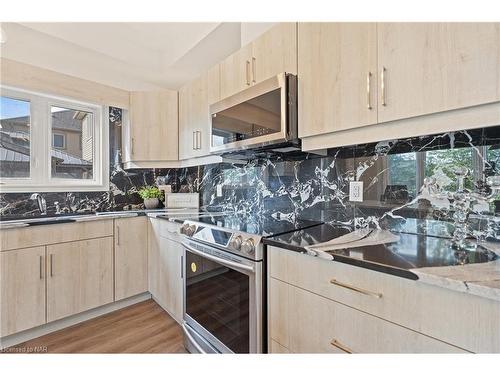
235 243
248 246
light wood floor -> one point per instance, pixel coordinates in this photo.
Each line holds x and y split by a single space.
141 328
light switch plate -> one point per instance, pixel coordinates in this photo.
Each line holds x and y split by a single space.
356 191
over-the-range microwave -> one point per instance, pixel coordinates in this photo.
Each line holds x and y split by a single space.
263 116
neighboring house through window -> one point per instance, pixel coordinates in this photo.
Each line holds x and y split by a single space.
51 144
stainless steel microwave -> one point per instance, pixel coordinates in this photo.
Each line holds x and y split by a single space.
261 116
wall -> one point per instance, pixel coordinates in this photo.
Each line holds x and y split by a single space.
304 186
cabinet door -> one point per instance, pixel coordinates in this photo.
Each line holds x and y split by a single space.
165 270
131 257
171 281
434 67
79 276
22 283
153 129
235 72
319 325
194 116
275 52
337 64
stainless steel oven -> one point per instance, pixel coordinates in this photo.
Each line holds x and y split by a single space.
223 299
262 116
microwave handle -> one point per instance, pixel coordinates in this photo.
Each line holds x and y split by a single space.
225 262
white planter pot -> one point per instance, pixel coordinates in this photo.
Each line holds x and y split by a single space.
151 203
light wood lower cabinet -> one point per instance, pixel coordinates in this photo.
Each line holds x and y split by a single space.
315 324
165 257
459 319
131 257
22 283
79 276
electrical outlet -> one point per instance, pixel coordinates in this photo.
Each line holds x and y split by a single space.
356 191
219 190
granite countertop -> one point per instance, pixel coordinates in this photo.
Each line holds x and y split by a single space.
69 218
415 251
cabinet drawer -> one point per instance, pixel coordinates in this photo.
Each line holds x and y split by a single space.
166 229
17 238
316 324
461 319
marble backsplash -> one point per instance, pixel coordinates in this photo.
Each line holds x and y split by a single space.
308 186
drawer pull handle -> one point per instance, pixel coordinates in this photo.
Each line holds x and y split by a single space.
41 267
340 346
51 258
356 289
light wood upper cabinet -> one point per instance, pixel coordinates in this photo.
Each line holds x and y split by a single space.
434 67
79 276
152 132
337 65
194 117
272 53
235 72
131 257
22 282
275 52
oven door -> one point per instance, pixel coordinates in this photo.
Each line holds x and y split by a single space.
222 301
261 115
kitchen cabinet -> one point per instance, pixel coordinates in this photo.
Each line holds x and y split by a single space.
366 82
272 53
411 304
194 116
235 72
131 257
79 276
337 65
318 325
32 236
165 267
275 52
151 135
433 67
22 281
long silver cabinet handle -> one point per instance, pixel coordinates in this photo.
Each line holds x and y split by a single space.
356 289
198 139
194 140
132 146
368 91
51 261
41 267
254 69
340 346
182 266
118 235
382 86
248 72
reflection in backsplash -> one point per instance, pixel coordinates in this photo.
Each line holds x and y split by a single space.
312 187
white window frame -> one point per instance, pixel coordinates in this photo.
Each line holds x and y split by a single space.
40 179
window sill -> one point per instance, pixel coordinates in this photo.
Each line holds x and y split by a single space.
76 187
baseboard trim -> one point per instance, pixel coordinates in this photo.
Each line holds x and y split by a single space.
20 337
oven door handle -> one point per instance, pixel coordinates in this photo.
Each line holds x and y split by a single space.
219 260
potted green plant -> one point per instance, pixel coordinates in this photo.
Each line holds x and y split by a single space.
151 196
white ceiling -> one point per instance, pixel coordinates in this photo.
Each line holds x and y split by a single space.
131 56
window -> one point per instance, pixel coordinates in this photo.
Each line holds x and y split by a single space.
51 144
58 140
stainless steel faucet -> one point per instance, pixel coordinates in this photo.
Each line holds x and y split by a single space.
42 204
